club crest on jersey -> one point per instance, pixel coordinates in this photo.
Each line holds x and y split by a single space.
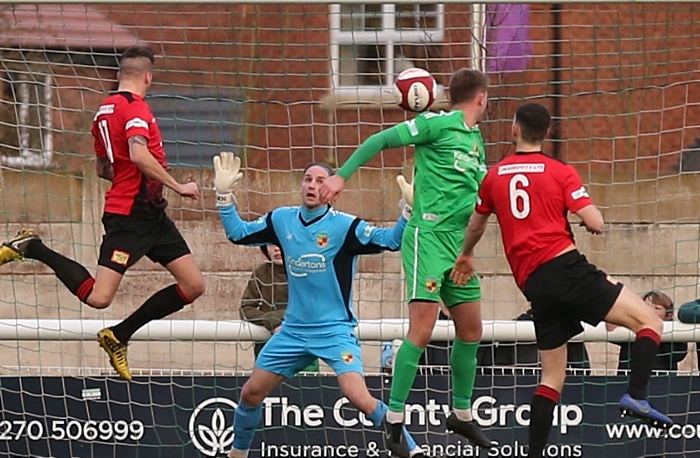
120 257
322 239
348 357
431 285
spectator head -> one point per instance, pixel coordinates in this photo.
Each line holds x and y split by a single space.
660 303
272 253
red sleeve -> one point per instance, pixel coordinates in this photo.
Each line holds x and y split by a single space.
136 116
484 201
100 150
575 194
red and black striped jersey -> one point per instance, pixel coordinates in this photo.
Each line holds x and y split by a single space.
123 115
532 194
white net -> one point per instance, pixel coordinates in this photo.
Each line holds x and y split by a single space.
286 84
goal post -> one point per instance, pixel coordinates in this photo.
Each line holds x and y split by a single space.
282 84
367 330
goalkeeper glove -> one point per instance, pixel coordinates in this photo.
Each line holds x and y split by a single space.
406 202
226 177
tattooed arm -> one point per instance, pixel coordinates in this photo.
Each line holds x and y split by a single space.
149 166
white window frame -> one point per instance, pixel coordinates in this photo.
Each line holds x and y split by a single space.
27 157
388 36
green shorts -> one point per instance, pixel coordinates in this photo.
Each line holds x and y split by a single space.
428 258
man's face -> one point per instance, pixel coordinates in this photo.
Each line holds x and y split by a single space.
313 179
275 254
658 309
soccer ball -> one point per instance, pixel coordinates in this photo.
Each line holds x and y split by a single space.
414 89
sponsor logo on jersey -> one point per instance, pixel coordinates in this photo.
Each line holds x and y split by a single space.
368 230
431 217
322 239
579 193
520 168
431 284
306 264
465 161
120 257
348 357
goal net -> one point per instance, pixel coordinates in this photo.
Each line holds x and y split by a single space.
284 84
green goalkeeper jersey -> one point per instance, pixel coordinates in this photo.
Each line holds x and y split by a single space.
450 165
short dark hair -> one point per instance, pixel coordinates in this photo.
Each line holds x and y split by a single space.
466 84
322 165
534 121
659 298
263 248
135 52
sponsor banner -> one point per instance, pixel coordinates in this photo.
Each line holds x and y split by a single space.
191 417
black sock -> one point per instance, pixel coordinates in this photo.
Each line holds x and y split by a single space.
642 361
166 301
541 416
76 277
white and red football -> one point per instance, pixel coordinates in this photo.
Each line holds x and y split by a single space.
414 89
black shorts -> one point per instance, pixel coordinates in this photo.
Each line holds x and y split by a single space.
127 239
565 291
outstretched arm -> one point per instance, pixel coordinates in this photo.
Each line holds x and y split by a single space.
591 219
227 175
389 138
149 166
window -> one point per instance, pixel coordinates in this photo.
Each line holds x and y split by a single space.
27 120
196 126
372 43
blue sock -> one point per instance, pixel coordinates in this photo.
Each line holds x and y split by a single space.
377 416
245 422
410 441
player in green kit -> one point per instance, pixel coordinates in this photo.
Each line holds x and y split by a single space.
450 164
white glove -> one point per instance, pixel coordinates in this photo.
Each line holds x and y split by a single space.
227 176
406 202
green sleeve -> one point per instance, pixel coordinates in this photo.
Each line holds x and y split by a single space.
416 131
388 138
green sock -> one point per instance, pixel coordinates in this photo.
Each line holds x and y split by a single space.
405 368
463 362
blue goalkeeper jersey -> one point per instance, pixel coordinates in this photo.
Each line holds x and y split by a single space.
320 256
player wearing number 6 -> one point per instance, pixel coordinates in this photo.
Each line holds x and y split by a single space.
131 156
531 194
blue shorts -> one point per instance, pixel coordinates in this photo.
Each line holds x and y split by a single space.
293 348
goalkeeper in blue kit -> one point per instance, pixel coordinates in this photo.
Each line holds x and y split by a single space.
320 247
